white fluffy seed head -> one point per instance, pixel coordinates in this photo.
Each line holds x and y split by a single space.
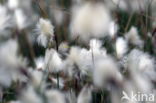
6 21
133 60
85 95
29 95
53 61
55 96
146 62
21 19
74 52
58 15
71 96
69 67
96 49
37 77
61 82
39 63
90 20
113 28
121 4
45 31
9 55
133 37
42 40
106 69
77 56
142 83
140 62
10 62
121 47
94 43
15 4
45 27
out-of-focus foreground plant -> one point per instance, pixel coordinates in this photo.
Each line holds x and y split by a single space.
77 51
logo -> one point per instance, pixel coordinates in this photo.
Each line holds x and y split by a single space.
138 97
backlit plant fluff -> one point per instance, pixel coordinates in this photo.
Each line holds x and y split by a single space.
45 31
90 20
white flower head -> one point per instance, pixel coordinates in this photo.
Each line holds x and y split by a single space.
77 56
53 61
61 82
113 29
45 27
37 77
74 54
85 95
69 67
63 47
21 19
146 62
71 96
105 69
133 37
94 43
15 4
121 4
142 83
9 61
140 62
133 60
39 63
6 21
45 31
29 95
58 15
85 66
55 96
96 49
121 47
90 20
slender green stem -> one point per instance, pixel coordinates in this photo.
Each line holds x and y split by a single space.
58 80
